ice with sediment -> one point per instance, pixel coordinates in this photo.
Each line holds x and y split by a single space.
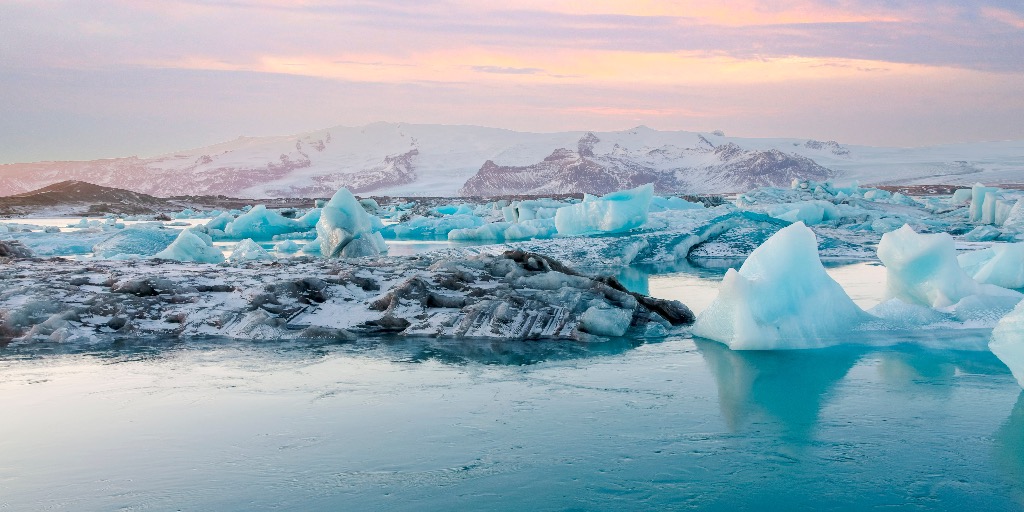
260 223
346 230
1001 265
1008 342
249 250
192 246
781 298
612 213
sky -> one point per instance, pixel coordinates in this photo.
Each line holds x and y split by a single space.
106 78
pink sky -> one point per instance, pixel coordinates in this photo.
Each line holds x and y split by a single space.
110 78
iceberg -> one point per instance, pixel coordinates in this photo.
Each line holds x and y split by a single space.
613 213
259 223
1001 265
346 230
923 269
430 228
1008 342
983 203
505 231
287 246
781 298
192 246
249 250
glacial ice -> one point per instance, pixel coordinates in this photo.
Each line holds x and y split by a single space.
249 250
260 223
613 213
781 298
194 246
431 228
142 241
1008 342
287 246
346 230
505 231
923 269
660 203
1001 265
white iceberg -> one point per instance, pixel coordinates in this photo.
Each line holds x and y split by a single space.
923 269
143 240
781 298
192 246
1001 265
346 230
613 213
259 223
1008 342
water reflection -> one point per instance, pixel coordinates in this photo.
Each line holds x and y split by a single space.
395 348
1008 447
784 388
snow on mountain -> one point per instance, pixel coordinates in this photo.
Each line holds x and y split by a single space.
442 160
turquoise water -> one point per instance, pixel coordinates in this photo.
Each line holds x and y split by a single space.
432 425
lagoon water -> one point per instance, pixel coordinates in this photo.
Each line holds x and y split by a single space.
431 425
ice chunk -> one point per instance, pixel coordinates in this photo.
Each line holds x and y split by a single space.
606 321
613 213
429 228
1015 217
961 196
249 250
1008 342
220 222
286 246
140 241
983 203
983 233
259 223
192 246
659 203
505 231
346 230
923 269
1001 265
781 298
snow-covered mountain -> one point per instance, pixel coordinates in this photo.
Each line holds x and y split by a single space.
440 160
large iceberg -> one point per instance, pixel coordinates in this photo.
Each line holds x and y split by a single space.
141 241
613 213
781 298
1008 342
1001 265
346 230
192 246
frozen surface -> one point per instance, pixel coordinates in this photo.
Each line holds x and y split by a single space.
780 298
381 424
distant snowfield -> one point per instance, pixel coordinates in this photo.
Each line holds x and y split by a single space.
437 160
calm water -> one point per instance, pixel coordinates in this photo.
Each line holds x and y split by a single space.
428 425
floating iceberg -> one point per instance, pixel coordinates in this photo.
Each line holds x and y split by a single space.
192 246
346 230
259 223
1008 342
505 231
613 213
249 250
1001 265
781 298
923 269
287 246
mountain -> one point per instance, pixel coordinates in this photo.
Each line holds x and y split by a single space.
443 160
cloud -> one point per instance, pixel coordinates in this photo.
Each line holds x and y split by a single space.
506 70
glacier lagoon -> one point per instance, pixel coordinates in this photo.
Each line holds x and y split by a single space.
433 424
